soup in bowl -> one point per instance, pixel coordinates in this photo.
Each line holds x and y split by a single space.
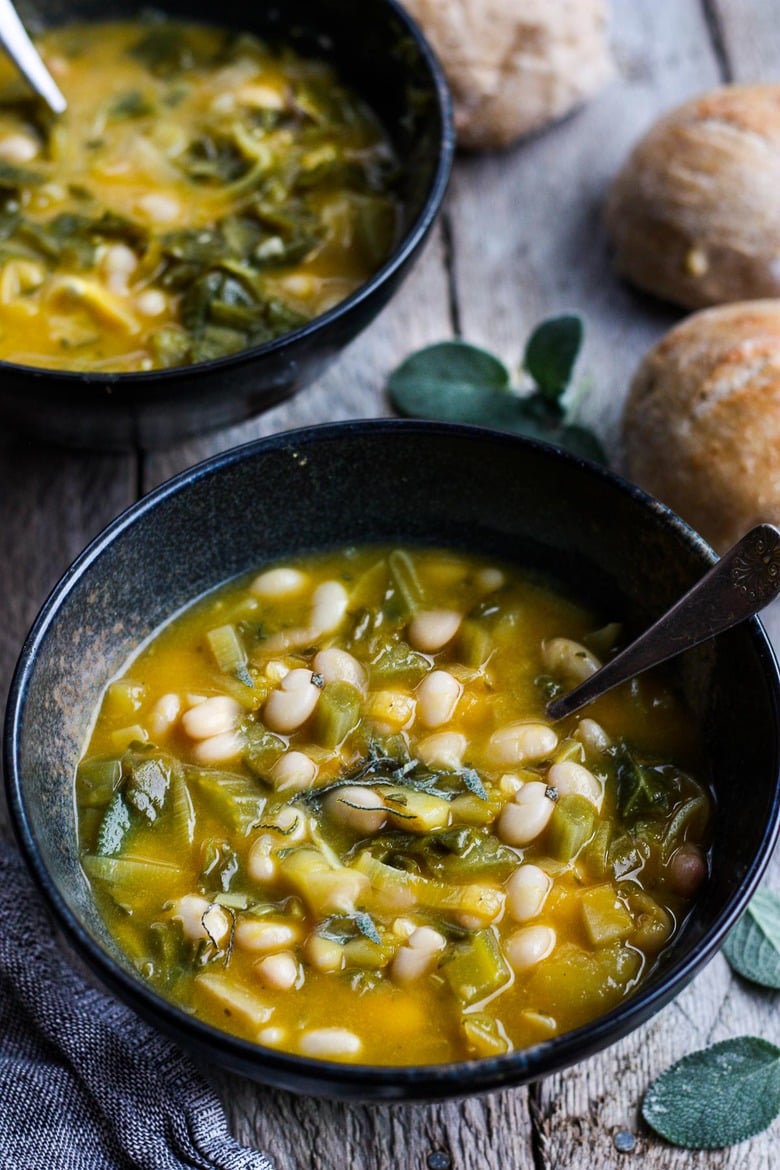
323 830
220 209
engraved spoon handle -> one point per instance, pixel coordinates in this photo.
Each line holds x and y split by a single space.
744 580
21 50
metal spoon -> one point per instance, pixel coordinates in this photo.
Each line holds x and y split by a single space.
744 580
25 56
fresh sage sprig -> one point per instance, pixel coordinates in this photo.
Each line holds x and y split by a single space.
731 1091
457 382
753 946
718 1096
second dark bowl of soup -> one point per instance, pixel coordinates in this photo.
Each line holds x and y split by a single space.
674 811
228 201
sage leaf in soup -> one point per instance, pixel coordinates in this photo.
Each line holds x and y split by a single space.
551 354
753 946
718 1096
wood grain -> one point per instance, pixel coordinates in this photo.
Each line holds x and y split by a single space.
51 504
522 239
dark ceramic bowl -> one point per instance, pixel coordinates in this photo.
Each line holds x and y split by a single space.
380 52
386 481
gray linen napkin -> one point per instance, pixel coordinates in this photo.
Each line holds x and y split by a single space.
85 1084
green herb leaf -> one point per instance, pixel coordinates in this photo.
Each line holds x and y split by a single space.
457 382
452 381
753 946
551 353
718 1096
365 924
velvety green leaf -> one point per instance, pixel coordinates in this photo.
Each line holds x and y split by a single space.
718 1096
753 946
551 352
455 382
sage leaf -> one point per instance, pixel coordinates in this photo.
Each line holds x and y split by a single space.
718 1096
753 946
551 354
455 382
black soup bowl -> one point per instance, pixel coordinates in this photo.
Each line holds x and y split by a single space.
381 54
386 481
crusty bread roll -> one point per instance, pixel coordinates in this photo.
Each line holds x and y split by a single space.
702 421
694 213
515 65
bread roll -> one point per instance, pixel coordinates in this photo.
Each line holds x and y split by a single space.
695 212
702 421
515 65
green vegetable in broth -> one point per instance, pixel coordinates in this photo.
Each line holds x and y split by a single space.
326 802
202 193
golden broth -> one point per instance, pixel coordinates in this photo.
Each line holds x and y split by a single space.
323 810
201 193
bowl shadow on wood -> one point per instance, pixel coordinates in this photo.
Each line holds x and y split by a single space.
599 538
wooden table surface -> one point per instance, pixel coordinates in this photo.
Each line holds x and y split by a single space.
521 238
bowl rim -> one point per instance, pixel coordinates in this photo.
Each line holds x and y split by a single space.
148 383
364 1081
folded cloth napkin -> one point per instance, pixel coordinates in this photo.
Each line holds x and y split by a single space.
85 1084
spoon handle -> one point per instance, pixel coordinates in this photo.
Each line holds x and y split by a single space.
744 580
21 50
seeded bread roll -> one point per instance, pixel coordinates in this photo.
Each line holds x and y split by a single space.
515 65
694 214
702 422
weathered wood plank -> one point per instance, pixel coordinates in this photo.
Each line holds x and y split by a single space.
474 1134
353 386
749 32
528 240
51 504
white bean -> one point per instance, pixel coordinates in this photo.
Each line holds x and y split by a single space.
527 947
339 666
570 659
358 808
489 580
261 865
201 919
324 954
427 940
18 148
571 779
264 937
164 714
431 629
291 704
291 822
523 819
117 264
592 735
526 892
214 716
521 743
329 604
330 1042
151 302
159 208
437 698
279 971
446 749
218 749
272 1036
411 962
293 771
281 582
